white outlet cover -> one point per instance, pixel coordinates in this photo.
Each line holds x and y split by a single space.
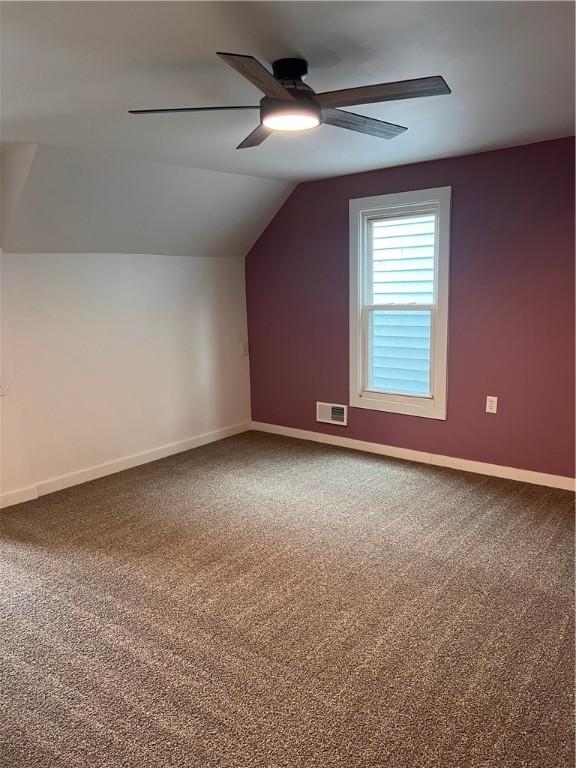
491 404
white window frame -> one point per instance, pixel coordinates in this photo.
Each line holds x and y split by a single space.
362 210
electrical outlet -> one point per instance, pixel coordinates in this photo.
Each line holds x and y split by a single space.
491 404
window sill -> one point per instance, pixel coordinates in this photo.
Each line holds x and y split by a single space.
427 408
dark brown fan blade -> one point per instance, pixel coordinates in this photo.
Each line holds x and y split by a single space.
182 109
252 70
255 138
370 94
361 123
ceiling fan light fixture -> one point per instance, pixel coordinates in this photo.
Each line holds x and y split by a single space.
294 122
291 122
298 115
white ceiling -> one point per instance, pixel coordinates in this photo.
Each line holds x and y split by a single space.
70 72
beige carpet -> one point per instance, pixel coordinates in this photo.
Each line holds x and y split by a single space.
265 602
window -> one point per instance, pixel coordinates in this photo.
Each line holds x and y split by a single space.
399 249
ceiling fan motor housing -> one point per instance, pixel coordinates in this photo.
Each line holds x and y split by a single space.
290 69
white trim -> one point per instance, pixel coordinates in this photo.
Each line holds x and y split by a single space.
117 465
18 496
362 210
435 459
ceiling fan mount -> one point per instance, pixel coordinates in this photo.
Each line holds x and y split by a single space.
291 105
290 69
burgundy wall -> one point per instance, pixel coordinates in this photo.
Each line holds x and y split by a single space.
511 331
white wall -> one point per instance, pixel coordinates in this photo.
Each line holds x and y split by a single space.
110 355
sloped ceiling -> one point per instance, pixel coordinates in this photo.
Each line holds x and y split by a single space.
68 201
15 163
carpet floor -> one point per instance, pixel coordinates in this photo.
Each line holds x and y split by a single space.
264 602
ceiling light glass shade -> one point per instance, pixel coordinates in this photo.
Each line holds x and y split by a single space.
293 122
298 115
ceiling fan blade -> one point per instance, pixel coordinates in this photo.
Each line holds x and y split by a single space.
255 138
252 70
361 123
182 109
370 94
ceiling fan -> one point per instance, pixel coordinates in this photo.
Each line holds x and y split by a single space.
291 105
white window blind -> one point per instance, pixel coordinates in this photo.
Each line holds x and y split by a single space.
399 292
402 275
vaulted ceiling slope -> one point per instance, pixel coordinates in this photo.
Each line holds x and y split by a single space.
59 200
72 70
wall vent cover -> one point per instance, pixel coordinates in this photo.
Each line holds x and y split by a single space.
330 413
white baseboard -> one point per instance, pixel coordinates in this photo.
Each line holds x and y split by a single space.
467 465
108 468
18 496
117 465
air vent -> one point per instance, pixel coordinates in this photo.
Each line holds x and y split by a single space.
330 413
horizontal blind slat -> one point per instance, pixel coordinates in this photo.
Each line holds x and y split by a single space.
403 260
402 252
